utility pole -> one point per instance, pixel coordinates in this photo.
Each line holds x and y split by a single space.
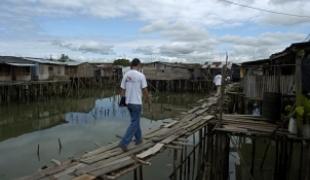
224 72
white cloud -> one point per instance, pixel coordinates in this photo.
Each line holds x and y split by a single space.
145 50
177 30
182 27
210 13
287 1
86 46
261 46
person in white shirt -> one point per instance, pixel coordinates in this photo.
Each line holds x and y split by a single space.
132 86
218 83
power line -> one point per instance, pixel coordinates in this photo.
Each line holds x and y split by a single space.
265 10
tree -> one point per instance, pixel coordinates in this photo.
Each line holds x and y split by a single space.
64 58
122 62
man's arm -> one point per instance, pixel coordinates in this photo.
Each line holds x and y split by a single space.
123 86
146 95
122 92
145 91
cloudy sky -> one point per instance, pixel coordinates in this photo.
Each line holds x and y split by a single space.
173 30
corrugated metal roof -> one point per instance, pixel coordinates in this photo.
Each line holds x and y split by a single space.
74 63
12 59
20 64
218 65
30 60
44 61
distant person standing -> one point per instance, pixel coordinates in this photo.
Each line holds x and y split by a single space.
218 83
132 85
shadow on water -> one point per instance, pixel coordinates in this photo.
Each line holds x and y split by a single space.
31 135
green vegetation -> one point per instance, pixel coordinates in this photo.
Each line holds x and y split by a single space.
122 62
64 58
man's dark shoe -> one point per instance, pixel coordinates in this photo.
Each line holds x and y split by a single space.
124 148
138 142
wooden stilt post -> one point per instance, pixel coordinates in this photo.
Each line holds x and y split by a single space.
135 174
188 168
141 172
253 155
185 164
181 168
194 156
175 161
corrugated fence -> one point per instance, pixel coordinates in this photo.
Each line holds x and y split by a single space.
255 86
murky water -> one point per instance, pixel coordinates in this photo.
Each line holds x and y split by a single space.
31 135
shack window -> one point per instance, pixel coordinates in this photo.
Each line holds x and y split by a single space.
59 70
50 68
27 70
24 70
5 70
41 68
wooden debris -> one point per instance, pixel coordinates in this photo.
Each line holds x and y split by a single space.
85 177
182 144
193 110
170 124
173 147
56 162
150 151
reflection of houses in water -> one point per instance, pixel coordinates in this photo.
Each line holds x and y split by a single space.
28 121
104 109
20 119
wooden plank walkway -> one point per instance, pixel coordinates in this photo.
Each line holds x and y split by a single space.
109 162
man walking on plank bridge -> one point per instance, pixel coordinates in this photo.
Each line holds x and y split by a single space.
132 85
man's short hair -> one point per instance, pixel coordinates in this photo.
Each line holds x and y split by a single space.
135 62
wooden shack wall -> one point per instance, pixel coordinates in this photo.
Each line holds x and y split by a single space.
43 73
21 73
5 73
106 72
255 86
71 71
57 72
199 74
13 73
51 72
166 72
80 71
85 71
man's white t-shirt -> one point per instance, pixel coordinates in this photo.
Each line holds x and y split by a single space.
217 80
133 82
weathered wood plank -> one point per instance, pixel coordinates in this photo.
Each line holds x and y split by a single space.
121 172
197 113
62 174
85 177
106 166
153 150
116 166
193 109
117 151
208 117
100 150
171 124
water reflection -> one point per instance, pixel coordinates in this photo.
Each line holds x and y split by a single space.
31 135
18 119
104 109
